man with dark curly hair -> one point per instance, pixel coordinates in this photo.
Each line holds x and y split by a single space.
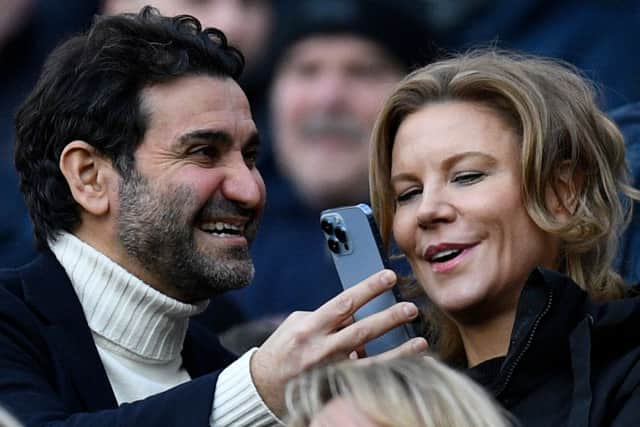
136 156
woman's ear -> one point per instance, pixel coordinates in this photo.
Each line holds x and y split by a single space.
89 176
562 192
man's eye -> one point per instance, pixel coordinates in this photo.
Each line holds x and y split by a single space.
250 158
369 71
206 151
408 195
304 70
467 178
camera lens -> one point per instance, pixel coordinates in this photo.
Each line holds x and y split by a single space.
341 234
334 245
326 226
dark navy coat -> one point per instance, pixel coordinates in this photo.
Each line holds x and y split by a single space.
50 371
571 362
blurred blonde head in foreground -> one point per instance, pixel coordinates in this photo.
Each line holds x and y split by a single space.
403 392
7 420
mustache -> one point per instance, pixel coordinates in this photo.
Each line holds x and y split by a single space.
334 125
220 206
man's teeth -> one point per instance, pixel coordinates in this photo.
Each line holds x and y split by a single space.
222 228
446 255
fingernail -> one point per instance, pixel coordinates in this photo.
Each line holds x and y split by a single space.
410 310
388 278
420 345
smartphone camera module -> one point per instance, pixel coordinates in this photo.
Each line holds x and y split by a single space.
326 226
336 234
334 245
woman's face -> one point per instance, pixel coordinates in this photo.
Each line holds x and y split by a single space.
460 217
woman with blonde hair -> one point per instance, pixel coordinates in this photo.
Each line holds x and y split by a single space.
404 392
506 188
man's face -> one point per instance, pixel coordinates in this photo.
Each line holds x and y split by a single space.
325 98
190 209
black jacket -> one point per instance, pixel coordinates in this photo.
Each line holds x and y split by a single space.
51 373
571 362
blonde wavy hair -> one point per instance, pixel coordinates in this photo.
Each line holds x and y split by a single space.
553 109
411 391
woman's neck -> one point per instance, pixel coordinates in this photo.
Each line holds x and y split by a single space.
487 340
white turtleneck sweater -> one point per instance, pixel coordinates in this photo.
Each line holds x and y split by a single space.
139 333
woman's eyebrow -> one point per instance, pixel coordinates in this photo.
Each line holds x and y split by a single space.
449 162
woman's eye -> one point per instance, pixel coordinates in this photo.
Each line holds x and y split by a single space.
466 178
408 195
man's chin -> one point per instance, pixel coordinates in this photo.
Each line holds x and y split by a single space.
230 272
217 282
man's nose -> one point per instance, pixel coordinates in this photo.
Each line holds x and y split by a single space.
331 90
244 185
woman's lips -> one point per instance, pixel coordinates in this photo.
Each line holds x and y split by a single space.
449 265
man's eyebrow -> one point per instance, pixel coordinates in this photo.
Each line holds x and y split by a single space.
219 137
206 135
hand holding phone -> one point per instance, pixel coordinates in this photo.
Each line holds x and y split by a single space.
322 336
354 242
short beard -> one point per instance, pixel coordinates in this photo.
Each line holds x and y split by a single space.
156 228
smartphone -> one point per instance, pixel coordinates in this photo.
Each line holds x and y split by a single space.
354 243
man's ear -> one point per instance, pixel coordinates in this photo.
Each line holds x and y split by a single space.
89 176
563 190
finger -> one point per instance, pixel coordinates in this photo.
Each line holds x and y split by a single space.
373 326
348 321
414 346
331 314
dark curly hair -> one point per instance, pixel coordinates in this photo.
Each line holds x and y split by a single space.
90 90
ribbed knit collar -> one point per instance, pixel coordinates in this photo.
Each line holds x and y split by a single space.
129 316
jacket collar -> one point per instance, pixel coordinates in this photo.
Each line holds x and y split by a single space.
563 339
549 308
202 353
49 293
